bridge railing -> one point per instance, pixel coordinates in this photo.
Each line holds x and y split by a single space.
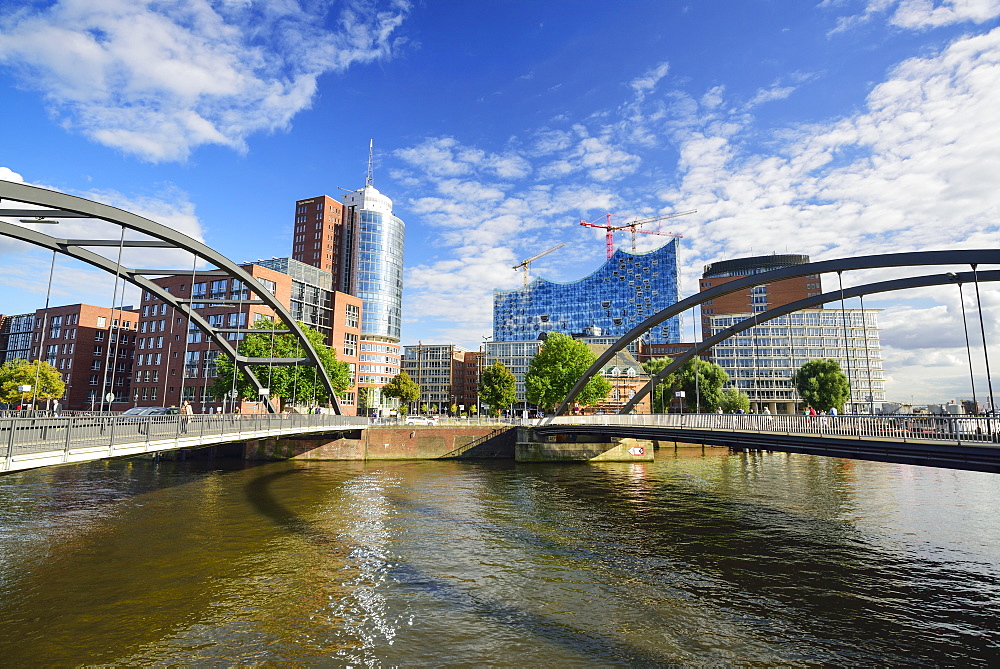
21 435
960 429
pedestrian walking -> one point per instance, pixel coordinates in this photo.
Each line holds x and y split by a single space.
186 413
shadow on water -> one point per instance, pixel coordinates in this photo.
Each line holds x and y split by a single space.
587 643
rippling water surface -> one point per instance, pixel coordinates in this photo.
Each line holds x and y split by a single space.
700 558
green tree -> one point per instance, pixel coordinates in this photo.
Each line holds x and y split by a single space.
822 384
710 379
366 398
559 364
403 388
662 392
423 408
732 399
296 383
19 372
497 387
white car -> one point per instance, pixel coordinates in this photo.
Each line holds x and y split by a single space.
420 420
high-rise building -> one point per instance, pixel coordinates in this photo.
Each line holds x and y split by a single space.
360 243
622 293
378 266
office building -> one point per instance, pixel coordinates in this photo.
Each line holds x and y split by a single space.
761 360
176 361
755 299
15 337
443 373
623 292
360 243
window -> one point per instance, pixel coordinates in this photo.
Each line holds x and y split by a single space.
102 322
350 344
98 336
353 313
198 289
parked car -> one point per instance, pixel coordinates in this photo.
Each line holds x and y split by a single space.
420 420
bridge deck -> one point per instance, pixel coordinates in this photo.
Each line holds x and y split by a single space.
959 442
27 443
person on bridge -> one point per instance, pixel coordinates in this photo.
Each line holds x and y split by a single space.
186 413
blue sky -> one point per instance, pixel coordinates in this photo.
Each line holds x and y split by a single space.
831 128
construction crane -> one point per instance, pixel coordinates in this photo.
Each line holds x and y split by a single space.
633 227
525 263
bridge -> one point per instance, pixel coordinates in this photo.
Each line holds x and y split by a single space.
32 442
954 442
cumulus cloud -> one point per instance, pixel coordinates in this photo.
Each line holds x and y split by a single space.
75 280
920 14
158 79
915 168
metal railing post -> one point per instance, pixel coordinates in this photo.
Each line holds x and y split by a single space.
10 445
69 438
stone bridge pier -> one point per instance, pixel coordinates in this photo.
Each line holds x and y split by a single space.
569 447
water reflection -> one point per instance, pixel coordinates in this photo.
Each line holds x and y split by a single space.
699 558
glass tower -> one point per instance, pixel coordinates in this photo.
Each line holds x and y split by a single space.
622 293
378 276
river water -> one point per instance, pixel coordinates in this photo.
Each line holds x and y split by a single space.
703 557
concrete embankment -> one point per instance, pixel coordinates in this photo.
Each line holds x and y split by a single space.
386 442
390 442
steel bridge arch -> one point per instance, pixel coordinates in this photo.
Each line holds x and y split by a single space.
56 205
791 307
973 258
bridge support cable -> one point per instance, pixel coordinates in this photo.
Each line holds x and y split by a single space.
54 205
982 329
855 291
912 259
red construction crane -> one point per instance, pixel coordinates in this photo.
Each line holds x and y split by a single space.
633 226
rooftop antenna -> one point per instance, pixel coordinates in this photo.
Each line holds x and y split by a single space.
369 179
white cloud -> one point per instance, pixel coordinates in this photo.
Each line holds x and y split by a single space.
7 174
158 79
920 14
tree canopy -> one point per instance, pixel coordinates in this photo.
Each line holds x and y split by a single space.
497 387
20 372
822 384
661 393
732 400
296 383
403 388
559 364
710 379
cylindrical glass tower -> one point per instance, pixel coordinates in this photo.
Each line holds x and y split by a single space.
378 277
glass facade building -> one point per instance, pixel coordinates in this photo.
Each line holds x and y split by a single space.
311 299
378 262
623 292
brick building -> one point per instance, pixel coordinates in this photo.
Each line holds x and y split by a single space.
755 299
175 361
93 348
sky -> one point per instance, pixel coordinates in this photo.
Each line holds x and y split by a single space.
831 128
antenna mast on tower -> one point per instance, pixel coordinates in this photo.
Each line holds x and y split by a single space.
369 179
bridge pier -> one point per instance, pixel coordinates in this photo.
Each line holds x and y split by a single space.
531 447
